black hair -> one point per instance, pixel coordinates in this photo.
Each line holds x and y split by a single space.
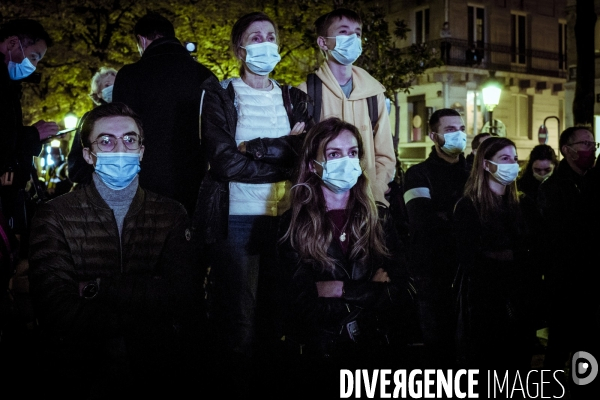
104 111
567 134
153 26
26 30
540 152
434 120
477 139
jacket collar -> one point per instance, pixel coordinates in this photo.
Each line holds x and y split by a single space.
97 201
564 171
163 46
436 159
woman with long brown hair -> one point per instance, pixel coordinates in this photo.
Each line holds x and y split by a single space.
499 277
347 281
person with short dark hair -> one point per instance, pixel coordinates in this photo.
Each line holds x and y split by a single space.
569 212
474 145
111 276
23 44
431 189
163 88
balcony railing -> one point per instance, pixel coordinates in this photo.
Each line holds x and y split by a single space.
504 58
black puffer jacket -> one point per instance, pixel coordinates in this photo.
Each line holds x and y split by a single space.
227 163
147 286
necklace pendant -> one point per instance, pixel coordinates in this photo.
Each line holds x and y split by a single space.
343 237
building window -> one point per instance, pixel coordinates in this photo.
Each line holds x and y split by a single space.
476 26
518 38
521 116
418 117
422 26
475 112
562 46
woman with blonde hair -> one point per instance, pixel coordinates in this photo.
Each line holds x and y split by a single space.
102 84
347 282
499 275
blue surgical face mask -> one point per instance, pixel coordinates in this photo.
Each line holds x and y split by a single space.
505 173
261 58
21 70
117 170
107 94
454 143
347 48
341 174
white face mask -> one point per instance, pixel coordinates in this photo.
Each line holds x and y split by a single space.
347 48
454 143
542 178
261 58
341 174
505 173
107 94
21 70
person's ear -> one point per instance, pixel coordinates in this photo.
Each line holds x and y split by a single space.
434 138
141 152
488 166
567 150
322 43
12 43
88 156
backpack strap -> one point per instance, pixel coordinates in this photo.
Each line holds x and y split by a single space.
314 87
373 112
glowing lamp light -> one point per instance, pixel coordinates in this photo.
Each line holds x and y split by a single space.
70 120
191 46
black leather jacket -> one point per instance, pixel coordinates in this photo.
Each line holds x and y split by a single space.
227 163
321 324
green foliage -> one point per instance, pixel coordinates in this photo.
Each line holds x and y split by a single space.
89 34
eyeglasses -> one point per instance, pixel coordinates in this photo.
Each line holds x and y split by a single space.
109 142
588 144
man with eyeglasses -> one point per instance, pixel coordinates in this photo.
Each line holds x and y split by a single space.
572 289
111 276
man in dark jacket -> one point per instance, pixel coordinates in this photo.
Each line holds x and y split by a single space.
431 190
163 88
566 206
23 43
112 279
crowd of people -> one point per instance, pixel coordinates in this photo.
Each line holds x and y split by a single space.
228 235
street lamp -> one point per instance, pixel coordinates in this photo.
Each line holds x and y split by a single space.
491 90
70 120
543 131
